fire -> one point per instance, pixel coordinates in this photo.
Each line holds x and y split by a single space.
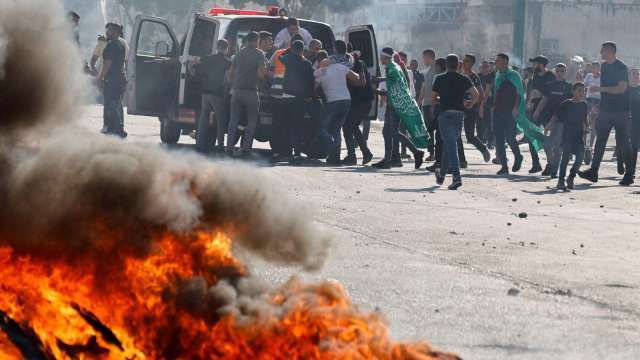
166 304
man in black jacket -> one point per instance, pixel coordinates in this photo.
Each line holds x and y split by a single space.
298 87
213 70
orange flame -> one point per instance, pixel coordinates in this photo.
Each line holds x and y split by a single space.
138 300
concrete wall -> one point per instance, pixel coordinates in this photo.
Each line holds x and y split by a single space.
580 28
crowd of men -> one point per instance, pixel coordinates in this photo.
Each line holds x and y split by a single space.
428 108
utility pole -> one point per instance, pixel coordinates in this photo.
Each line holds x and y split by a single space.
519 18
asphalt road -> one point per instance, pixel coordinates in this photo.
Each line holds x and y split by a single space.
461 269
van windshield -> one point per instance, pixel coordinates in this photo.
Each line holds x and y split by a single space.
239 28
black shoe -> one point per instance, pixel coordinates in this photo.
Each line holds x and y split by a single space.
439 177
547 171
535 169
561 185
397 163
382 165
589 175
367 156
350 160
570 182
588 156
419 159
503 171
295 160
486 155
495 161
627 181
457 182
333 161
433 167
517 163
621 170
463 165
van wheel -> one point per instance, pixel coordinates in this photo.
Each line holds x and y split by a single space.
169 131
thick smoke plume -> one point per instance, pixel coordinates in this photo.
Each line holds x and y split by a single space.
64 191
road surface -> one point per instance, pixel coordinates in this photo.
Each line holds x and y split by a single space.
461 269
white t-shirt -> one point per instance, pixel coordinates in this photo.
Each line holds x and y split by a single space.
283 38
333 80
412 86
590 81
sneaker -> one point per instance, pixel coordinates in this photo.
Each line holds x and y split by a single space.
382 165
561 185
419 159
495 161
589 175
463 165
503 171
439 177
433 167
620 167
430 158
457 182
535 169
397 163
627 181
570 182
367 156
517 164
350 160
486 155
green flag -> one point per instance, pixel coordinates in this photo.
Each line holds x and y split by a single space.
406 106
533 132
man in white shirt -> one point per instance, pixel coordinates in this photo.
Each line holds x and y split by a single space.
593 102
333 80
283 39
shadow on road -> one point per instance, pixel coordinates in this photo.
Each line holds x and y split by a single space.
431 189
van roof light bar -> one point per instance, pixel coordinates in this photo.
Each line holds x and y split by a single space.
222 11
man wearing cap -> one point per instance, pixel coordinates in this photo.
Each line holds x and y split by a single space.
536 88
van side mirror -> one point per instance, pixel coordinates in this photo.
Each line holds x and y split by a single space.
162 49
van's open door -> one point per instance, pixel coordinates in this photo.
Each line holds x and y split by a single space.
200 41
363 39
153 67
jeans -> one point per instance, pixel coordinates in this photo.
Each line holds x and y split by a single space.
450 125
292 124
622 123
352 134
249 101
504 128
113 115
553 147
336 113
569 150
215 104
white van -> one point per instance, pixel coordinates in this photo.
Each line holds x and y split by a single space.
160 84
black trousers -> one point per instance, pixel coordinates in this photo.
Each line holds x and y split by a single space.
393 137
635 142
622 123
430 125
279 135
112 113
504 128
292 124
351 129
